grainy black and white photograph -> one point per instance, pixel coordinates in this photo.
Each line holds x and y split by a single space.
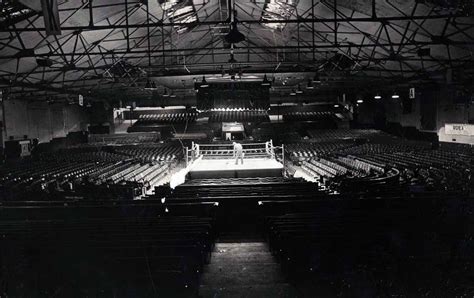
236 148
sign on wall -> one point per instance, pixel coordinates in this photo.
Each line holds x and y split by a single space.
459 129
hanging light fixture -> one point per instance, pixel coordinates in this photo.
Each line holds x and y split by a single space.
265 81
172 95
395 95
293 92
299 90
204 83
165 93
316 78
148 85
310 86
377 96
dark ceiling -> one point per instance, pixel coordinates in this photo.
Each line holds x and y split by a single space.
108 47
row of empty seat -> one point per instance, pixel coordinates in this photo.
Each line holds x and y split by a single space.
159 256
376 248
120 139
178 117
108 172
239 116
308 116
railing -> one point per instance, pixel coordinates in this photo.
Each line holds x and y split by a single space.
250 150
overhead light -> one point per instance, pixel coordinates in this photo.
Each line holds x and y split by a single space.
309 86
293 92
377 96
395 96
299 91
165 93
265 81
316 78
232 59
360 101
336 106
172 95
234 35
148 85
204 83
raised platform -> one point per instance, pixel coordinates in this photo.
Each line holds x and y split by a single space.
226 168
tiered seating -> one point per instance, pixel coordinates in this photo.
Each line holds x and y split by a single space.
121 172
337 134
304 151
372 248
241 189
122 139
177 117
167 152
256 116
308 116
372 158
106 257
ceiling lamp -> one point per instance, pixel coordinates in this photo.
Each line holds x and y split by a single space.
360 101
292 93
232 59
316 78
310 86
299 91
204 83
234 35
265 81
165 93
148 85
172 95
377 96
395 95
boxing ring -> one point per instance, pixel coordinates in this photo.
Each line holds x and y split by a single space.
218 161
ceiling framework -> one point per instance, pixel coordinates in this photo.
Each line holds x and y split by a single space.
110 45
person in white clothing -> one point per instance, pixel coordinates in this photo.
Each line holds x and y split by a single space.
238 153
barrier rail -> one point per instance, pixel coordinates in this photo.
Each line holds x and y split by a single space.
225 151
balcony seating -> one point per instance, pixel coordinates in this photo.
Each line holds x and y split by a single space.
255 116
308 116
167 118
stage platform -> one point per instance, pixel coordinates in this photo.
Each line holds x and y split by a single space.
226 168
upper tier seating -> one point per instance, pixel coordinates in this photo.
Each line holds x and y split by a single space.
122 139
308 116
239 116
178 117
